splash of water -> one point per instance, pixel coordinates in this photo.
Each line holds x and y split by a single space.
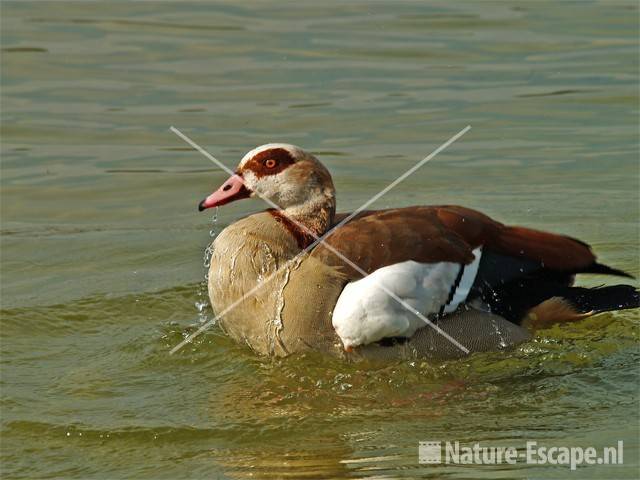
202 301
502 342
208 252
214 220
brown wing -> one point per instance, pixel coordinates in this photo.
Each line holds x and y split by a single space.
443 233
555 252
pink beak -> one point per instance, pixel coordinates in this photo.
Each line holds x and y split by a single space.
231 190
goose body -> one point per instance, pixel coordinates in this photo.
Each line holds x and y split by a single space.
360 288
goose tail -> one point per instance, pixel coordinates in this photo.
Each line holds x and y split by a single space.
571 304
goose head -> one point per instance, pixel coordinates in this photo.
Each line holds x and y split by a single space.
288 177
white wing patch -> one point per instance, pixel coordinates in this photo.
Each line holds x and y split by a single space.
365 313
466 282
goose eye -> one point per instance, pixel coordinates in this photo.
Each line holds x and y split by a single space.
270 163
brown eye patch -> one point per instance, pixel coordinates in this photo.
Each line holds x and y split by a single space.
268 162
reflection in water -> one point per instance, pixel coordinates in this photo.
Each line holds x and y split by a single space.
304 416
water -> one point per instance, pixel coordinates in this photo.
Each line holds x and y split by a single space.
102 244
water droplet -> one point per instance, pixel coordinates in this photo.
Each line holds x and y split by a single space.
214 220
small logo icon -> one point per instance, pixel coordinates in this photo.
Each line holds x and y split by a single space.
430 452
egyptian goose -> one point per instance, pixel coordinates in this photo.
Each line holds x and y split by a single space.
468 273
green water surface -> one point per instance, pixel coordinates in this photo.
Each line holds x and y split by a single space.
102 244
